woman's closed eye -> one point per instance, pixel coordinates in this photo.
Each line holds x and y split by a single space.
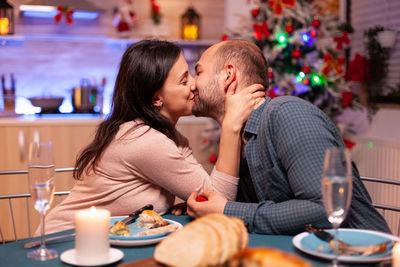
184 78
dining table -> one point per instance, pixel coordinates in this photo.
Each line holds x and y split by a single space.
14 253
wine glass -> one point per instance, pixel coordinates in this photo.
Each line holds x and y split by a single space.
41 177
337 185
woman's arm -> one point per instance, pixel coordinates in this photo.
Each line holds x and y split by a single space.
238 107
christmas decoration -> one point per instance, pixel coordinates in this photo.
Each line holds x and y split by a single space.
124 17
155 12
304 44
64 11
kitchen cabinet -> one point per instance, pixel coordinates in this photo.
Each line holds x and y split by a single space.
69 134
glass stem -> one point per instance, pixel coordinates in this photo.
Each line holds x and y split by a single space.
336 248
42 242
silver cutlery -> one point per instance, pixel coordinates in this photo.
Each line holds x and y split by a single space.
128 220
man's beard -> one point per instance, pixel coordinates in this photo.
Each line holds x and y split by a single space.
209 104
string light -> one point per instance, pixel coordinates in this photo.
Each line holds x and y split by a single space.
281 38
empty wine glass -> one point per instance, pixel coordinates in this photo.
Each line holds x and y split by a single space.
337 189
41 177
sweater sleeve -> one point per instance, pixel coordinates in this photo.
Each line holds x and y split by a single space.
159 160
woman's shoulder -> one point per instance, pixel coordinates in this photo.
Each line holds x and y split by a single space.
137 130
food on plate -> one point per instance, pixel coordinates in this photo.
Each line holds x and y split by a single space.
266 257
159 230
120 228
346 249
207 241
151 219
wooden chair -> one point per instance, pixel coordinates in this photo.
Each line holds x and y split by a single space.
26 196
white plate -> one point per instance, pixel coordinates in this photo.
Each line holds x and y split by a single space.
132 240
69 257
309 243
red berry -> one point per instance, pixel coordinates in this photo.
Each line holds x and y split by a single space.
213 158
201 198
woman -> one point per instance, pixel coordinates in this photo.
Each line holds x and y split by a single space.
137 156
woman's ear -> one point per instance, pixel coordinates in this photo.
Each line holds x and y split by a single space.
157 102
230 72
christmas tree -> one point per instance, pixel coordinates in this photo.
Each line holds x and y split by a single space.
304 43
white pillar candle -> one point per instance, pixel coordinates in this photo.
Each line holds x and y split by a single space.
396 255
92 236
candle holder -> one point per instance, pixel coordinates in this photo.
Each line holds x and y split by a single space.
190 25
6 18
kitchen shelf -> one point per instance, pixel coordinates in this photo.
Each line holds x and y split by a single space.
14 40
7 40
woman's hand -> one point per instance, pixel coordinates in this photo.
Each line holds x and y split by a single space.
179 209
240 104
215 203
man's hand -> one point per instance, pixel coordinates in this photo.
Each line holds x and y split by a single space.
215 203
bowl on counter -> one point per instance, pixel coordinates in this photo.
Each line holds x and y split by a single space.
48 104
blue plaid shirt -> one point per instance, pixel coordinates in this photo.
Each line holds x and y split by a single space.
287 138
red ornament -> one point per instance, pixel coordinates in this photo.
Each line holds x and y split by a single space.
212 159
278 5
340 40
271 93
316 23
313 33
332 63
224 37
296 53
271 74
289 29
260 30
255 12
65 11
357 69
306 69
306 81
348 143
347 97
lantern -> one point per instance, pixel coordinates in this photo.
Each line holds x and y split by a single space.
6 18
190 24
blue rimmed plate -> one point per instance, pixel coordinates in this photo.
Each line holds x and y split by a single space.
308 243
133 240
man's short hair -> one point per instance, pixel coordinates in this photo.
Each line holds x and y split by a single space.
248 57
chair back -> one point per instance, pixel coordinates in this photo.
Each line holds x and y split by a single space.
11 198
390 212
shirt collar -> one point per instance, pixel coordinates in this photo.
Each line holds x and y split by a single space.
253 123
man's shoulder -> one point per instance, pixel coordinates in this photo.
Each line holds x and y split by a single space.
278 101
284 104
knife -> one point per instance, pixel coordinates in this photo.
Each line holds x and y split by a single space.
132 217
128 220
321 234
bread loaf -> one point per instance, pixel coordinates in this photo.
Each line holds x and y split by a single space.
208 241
266 257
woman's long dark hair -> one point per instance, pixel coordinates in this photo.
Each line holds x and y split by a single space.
143 70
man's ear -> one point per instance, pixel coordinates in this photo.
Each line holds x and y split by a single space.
230 75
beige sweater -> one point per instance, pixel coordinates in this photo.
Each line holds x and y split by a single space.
139 167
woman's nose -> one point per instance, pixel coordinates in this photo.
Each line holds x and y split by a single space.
191 83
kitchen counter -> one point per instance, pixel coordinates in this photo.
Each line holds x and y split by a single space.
50 119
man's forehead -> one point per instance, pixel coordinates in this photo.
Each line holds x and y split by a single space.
207 56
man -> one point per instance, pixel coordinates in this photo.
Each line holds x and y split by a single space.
285 141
